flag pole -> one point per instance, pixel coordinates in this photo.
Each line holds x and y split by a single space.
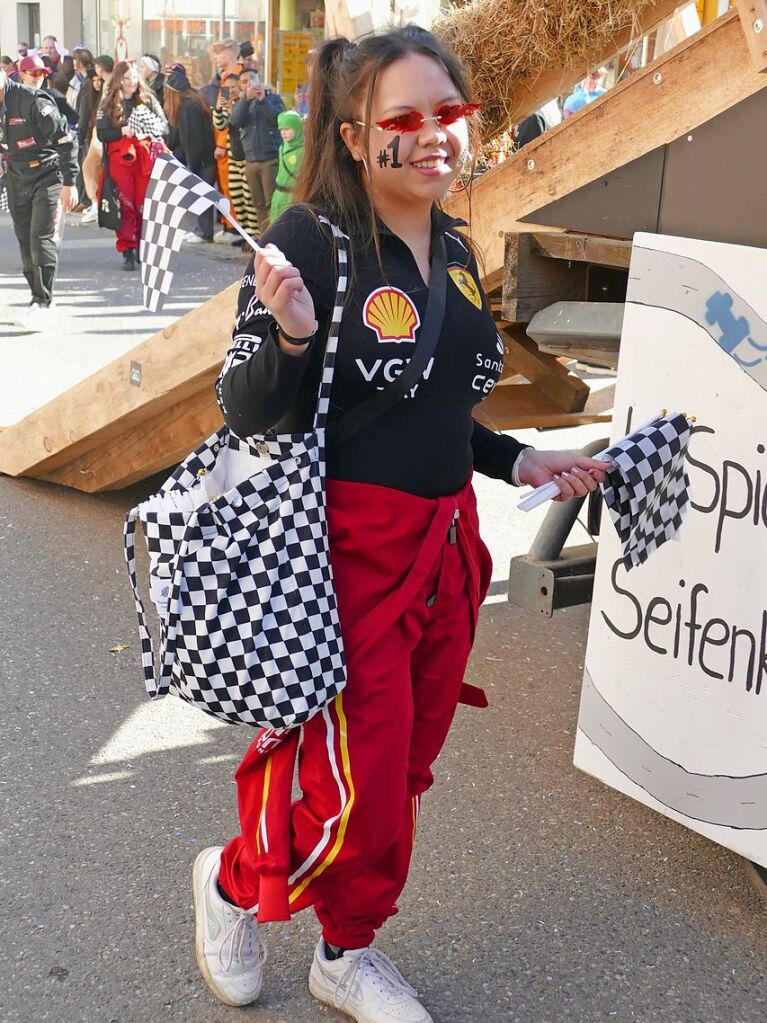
224 209
547 491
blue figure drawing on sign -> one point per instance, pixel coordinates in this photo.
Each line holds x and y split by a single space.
734 329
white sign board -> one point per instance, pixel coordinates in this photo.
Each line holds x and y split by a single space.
674 703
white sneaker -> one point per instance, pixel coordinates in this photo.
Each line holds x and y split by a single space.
90 215
365 984
192 238
36 318
221 238
230 951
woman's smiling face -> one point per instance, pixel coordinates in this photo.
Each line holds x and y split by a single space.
411 166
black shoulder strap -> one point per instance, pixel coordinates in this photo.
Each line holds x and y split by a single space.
431 328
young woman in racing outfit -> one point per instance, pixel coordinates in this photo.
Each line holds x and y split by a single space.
387 133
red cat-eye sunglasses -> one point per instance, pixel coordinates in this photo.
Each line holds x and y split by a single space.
413 120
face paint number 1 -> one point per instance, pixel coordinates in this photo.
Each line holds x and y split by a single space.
384 160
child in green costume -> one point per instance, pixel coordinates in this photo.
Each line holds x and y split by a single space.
290 156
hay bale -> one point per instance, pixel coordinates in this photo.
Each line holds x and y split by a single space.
507 44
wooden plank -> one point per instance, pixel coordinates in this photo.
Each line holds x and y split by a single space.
522 407
687 86
566 391
175 364
753 18
585 248
531 282
159 442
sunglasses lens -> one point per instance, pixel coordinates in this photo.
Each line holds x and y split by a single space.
450 114
453 112
411 121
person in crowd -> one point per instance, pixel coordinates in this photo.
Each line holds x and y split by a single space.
255 115
7 65
191 138
238 183
301 100
41 154
149 69
247 59
224 53
105 66
82 59
35 74
88 98
128 150
585 92
91 166
289 160
409 567
22 49
222 149
49 50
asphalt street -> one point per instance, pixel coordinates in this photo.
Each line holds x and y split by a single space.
537 895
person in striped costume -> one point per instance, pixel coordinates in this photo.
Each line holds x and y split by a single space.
233 157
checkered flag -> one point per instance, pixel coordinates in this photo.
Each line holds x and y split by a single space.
647 493
4 207
174 199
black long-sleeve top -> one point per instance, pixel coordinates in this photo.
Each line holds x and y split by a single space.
428 443
192 139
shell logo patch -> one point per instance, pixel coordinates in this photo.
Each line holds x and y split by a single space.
391 314
466 284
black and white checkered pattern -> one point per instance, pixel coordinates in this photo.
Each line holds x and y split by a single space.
647 493
144 123
174 199
4 207
243 584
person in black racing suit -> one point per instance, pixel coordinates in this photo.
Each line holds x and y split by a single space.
40 152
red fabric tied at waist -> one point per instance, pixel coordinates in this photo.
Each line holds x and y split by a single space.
384 543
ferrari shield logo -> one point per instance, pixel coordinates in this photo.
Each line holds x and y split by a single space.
466 284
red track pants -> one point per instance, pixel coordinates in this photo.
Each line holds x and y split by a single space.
130 166
409 584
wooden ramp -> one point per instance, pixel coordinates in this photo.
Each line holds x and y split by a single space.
145 411
141 413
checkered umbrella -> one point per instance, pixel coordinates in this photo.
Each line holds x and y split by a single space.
647 493
174 199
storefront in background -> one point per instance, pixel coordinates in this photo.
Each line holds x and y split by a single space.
181 31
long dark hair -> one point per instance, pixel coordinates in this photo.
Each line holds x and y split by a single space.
173 101
341 83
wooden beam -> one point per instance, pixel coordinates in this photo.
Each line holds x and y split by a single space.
522 407
687 86
753 18
567 391
531 282
158 442
173 365
585 248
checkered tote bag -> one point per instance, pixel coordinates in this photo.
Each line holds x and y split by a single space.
240 572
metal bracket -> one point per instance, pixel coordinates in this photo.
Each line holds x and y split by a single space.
549 577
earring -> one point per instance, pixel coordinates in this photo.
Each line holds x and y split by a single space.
365 165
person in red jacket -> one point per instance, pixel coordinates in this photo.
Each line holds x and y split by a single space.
387 133
129 120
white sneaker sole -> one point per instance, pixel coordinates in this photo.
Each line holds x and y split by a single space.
318 992
199 939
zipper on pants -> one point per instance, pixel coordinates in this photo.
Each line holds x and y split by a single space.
452 533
